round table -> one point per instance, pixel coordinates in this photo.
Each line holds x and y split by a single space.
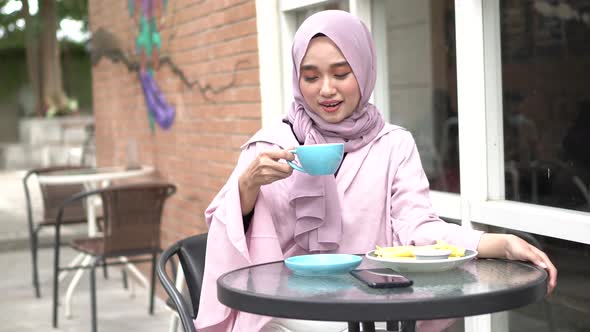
93 175
92 178
478 287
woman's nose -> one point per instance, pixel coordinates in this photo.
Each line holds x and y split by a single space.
327 88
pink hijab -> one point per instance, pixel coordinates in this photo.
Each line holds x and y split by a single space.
319 220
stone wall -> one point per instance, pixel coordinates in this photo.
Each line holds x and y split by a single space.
46 142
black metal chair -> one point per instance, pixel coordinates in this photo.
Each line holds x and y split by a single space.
191 253
132 216
53 196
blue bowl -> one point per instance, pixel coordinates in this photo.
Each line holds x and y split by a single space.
322 264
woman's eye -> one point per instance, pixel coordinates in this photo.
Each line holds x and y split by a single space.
341 76
310 78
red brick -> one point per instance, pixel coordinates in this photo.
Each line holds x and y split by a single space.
213 43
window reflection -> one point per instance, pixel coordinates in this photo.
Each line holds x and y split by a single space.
545 73
419 45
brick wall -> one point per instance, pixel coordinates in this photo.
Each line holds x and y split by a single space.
213 43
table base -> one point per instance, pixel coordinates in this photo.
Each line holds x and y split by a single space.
393 326
86 259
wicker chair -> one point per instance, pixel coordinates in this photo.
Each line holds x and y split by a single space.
53 196
191 253
132 216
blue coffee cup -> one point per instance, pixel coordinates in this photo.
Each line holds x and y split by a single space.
318 159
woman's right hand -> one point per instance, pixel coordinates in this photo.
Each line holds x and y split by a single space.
265 169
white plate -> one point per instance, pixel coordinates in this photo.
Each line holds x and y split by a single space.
415 265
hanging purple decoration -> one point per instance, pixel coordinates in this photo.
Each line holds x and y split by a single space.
148 43
161 112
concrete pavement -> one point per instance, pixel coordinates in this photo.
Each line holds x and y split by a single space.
118 309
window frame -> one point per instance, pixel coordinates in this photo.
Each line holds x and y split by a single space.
481 202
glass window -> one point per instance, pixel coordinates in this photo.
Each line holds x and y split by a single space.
546 97
422 83
302 14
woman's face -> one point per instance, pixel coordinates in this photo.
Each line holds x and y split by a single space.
326 81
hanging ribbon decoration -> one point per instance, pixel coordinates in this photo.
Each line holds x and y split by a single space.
160 111
148 44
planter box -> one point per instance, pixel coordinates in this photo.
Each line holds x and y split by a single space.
59 130
47 142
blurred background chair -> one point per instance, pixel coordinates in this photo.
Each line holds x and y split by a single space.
556 183
53 196
132 216
191 254
88 156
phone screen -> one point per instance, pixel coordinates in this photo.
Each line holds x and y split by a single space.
381 278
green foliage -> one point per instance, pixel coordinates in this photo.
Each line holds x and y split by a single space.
13 66
14 37
73 9
77 77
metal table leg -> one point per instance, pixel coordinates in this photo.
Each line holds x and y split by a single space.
72 286
408 326
392 325
368 326
354 327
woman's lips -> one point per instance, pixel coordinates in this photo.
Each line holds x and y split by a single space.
330 107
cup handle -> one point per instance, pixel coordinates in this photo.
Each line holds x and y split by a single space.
294 165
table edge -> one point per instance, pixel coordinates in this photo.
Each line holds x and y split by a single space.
82 178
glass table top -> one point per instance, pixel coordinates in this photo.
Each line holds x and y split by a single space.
480 286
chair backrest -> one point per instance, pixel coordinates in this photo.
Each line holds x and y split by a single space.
132 216
54 195
191 253
192 258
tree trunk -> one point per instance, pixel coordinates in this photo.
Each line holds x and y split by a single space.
51 79
33 56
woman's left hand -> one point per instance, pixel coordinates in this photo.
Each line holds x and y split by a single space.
518 249
512 247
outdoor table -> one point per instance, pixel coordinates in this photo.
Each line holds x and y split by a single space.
479 287
92 178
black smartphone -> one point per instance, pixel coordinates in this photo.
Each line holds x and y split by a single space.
381 278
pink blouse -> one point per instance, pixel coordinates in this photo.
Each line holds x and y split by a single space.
385 201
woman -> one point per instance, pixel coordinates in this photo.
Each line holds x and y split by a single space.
379 196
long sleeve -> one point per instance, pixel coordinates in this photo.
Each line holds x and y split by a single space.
413 218
230 248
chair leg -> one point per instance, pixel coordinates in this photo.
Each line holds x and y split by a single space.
55 283
34 250
124 276
105 272
93 294
153 284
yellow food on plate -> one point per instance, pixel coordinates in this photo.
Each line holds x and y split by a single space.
403 252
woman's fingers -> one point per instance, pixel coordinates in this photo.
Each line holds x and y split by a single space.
544 262
268 167
539 258
522 250
277 155
271 161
